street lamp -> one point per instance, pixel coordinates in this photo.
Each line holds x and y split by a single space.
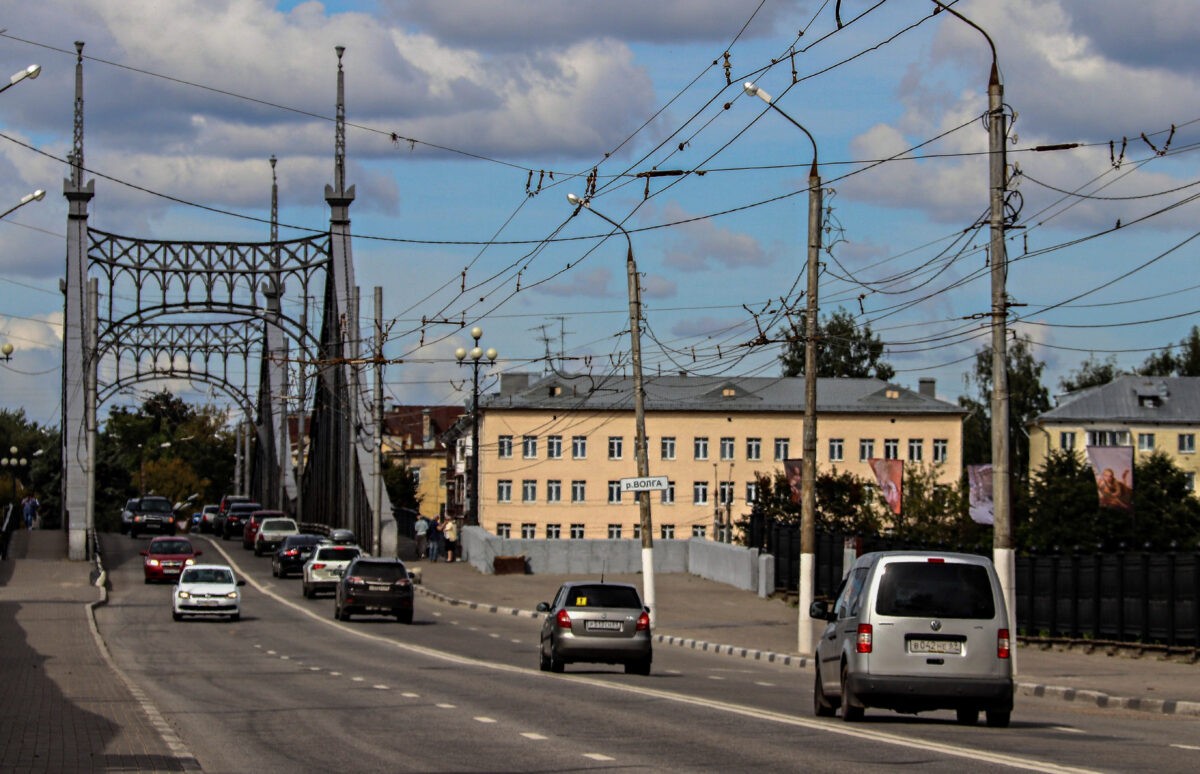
475 354
639 406
36 196
6 351
11 464
808 503
30 72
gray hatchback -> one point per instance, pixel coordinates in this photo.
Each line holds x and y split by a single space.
594 622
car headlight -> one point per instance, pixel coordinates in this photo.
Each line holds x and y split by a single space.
189 561
184 595
232 595
152 562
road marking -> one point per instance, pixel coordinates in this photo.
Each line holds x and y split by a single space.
1068 730
285 658
271 653
715 677
494 636
411 695
314 669
380 687
515 642
599 757
444 706
1186 746
764 685
358 679
335 674
483 719
534 736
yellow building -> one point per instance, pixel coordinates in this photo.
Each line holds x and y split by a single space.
1149 413
553 450
414 436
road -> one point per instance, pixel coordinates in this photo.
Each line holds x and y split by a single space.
288 688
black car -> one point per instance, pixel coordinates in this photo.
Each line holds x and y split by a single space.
374 584
236 518
151 514
292 553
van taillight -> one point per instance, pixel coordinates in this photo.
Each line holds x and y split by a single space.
1003 644
936 560
863 643
643 622
563 620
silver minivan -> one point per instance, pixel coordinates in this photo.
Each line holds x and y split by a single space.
916 631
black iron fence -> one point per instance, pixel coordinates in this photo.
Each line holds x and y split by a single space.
1129 597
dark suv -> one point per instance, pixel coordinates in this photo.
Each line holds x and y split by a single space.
236 518
374 584
151 514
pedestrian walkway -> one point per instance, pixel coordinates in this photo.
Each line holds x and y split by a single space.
65 706
705 615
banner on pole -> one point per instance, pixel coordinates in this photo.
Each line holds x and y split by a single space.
979 489
1113 466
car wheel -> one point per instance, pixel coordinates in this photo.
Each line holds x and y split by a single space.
405 616
966 717
308 592
224 535
543 661
822 707
147 581
257 550
998 718
133 534
177 616
850 712
235 617
274 570
342 614
641 667
556 663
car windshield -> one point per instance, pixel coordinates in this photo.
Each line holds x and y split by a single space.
935 590
170 547
603 596
301 541
337 553
383 571
278 525
245 509
155 506
206 575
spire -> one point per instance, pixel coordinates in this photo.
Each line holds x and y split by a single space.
339 142
274 202
77 148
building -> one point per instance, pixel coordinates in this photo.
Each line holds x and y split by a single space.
415 436
554 449
1150 413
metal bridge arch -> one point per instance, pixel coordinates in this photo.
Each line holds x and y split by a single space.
198 310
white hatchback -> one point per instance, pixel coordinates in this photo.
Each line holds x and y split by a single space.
326 566
271 533
207 590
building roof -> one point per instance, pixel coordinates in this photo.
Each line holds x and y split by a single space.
407 423
1132 400
582 392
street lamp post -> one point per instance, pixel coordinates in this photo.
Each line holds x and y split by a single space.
12 464
808 503
476 353
639 406
36 196
6 351
30 72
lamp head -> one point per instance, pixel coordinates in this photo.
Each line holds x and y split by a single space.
476 353
576 201
754 91
6 349
491 354
460 353
476 333
33 71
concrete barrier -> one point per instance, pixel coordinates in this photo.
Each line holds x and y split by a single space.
724 563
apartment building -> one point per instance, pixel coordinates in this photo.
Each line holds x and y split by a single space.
554 449
414 436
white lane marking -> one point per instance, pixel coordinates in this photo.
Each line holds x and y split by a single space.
444 706
764 684
715 677
598 757
335 674
534 736
258 646
1187 746
285 658
314 669
483 719
1068 730
270 653
494 636
515 642
380 687
411 695
673 672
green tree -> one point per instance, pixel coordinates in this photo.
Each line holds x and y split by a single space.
401 483
1091 373
1062 504
1185 361
1027 398
845 504
41 473
844 349
934 513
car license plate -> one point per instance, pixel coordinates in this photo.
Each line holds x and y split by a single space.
337 573
602 626
171 571
378 586
951 647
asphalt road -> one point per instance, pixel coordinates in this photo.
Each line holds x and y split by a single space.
290 689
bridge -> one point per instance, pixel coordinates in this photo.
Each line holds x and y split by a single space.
210 311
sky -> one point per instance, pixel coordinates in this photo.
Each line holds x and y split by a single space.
469 121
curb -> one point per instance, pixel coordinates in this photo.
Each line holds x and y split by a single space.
1037 690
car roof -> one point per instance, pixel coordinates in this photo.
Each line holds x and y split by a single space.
303 537
210 567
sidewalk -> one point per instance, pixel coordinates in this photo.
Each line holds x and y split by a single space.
66 707
705 615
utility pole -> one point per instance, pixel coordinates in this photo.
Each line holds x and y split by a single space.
377 437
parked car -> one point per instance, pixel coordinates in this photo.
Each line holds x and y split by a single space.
166 557
251 525
292 553
326 566
235 518
374 584
916 631
207 590
207 515
596 622
271 533
127 514
152 514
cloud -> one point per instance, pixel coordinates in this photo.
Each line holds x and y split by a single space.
658 286
703 244
578 283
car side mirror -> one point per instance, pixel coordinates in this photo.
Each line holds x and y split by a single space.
543 607
241 582
144 553
820 609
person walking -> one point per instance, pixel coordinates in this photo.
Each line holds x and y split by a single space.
421 533
30 507
450 534
435 539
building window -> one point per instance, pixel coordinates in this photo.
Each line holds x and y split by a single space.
637 531
1108 438
781 449
866 449
577 532
616 447
700 492
1187 443
554 447
528 531
754 448
578 491
504 530
1146 442
668 448
668 494
751 491
529 491
504 491
554 491
891 448
529 447
614 491
916 449
941 450
1189 480
1066 440
416 475
614 531
553 531
837 449
700 448
579 447
699 530
726 448
504 446
667 531
726 492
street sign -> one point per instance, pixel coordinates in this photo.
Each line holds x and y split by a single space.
644 484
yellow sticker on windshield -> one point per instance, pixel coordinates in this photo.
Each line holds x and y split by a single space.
580 601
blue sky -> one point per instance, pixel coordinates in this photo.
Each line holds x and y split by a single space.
493 93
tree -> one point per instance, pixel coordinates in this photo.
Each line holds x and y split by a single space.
401 483
1184 362
41 473
1091 373
1027 398
844 349
934 513
845 504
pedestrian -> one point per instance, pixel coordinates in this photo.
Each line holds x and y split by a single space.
450 534
421 533
435 539
30 506
6 529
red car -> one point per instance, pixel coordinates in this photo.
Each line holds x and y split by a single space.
166 557
250 531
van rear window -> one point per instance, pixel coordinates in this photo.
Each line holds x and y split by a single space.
935 590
